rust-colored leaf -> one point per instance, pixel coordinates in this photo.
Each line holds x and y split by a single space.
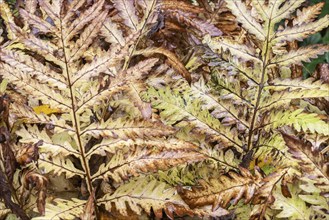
28 153
219 192
181 5
172 60
312 162
33 179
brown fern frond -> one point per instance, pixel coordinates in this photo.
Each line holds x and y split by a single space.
231 187
312 162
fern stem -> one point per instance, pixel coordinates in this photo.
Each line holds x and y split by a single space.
260 85
127 62
75 120
219 161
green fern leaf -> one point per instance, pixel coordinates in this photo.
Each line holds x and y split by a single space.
300 121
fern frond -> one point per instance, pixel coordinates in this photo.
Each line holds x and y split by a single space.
31 86
63 209
127 11
98 65
285 10
72 9
8 18
172 60
175 108
52 10
182 6
112 146
125 129
243 15
262 9
303 54
32 68
186 18
264 195
231 187
27 114
72 28
308 14
33 135
139 160
87 37
299 120
297 84
144 195
241 51
201 91
44 48
301 32
293 207
112 33
58 165
283 98
35 21
312 162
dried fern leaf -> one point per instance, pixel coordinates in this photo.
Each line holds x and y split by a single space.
189 19
58 165
33 135
37 91
31 67
262 9
297 84
128 13
308 14
172 60
87 37
241 51
63 209
112 146
264 195
285 10
200 90
312 162
231 187
139 160
112 33
175 108
142 195
244 16
182 6
125 129
78 24
36 22
303 54
302 31
8 18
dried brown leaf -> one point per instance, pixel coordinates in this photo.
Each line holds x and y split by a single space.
173 60
181 5
220 192
312 162
33 179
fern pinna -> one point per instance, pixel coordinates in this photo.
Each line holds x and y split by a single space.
197 147
73 60
251 107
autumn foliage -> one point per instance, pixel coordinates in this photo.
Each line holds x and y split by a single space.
162 108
